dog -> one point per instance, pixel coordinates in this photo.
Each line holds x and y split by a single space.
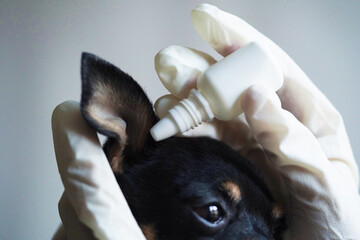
177 188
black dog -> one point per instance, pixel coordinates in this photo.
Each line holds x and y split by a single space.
178 188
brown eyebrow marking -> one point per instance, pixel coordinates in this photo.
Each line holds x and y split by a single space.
232 190
149 231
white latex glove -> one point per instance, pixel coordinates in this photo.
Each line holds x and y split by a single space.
92 206
296 137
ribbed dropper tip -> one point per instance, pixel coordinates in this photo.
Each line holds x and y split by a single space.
165 128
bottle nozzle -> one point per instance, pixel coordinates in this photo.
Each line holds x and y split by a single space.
187 114
165 128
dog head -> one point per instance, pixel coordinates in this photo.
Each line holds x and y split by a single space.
178 188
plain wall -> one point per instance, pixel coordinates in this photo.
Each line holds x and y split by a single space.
40 47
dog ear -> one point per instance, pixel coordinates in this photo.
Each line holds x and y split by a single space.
115 105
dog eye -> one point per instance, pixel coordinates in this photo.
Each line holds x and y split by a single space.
211 213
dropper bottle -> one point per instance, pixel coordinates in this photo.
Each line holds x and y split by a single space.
219 90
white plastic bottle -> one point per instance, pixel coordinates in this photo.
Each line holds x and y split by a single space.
219 90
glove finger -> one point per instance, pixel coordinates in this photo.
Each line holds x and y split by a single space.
179 67
318 192
163 104
89 182
226 33
315 111
74 229
279 132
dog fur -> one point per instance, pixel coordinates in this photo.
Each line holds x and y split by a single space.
178 188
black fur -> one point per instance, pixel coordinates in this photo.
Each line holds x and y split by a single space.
167 182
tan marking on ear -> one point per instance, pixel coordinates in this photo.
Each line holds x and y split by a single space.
233 190
149 231
116 158
108 121
277 211
103 108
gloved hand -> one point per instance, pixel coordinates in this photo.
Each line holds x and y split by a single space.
92 206
296 137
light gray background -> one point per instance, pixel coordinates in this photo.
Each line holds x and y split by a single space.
40 47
